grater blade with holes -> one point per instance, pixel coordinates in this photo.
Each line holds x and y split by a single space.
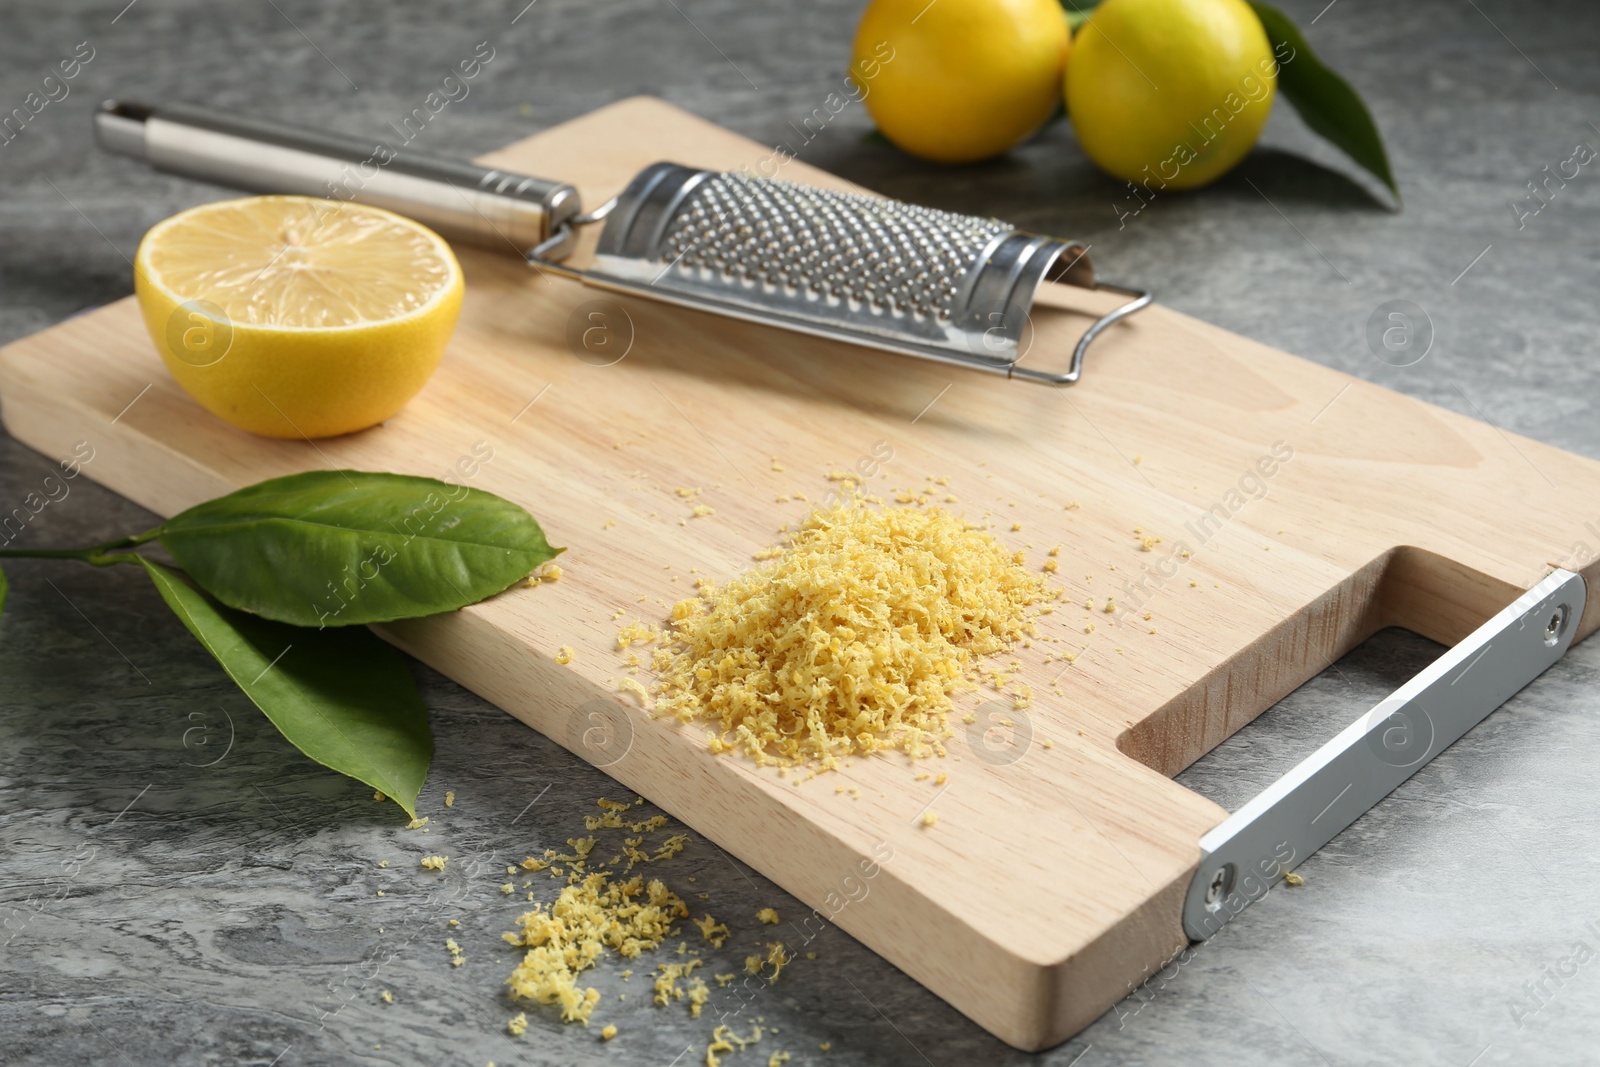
849 267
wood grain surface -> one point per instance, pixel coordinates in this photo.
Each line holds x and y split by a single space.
1298 510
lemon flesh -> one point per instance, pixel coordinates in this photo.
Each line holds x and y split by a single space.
1170 93
294 316
959 80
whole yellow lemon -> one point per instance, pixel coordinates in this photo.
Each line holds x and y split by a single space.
960 80
1170 92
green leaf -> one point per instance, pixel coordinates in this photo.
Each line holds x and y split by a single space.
1327 103
337 548
343 697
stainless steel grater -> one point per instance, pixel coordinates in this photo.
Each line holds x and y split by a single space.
857 268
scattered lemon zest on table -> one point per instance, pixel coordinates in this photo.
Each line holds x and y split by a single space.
768 916
568 936
714 932
435 863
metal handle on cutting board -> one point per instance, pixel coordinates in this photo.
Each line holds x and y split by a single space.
1302 811
460 200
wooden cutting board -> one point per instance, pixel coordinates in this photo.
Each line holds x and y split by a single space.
1313 508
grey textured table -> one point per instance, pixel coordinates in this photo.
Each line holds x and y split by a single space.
165 906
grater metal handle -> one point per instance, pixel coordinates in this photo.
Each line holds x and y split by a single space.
460 200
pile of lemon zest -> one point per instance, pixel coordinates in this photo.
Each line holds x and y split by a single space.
852 641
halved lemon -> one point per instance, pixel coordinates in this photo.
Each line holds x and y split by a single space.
292 316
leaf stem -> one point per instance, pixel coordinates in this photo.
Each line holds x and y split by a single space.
95 555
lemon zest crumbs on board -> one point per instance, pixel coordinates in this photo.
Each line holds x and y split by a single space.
851 640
